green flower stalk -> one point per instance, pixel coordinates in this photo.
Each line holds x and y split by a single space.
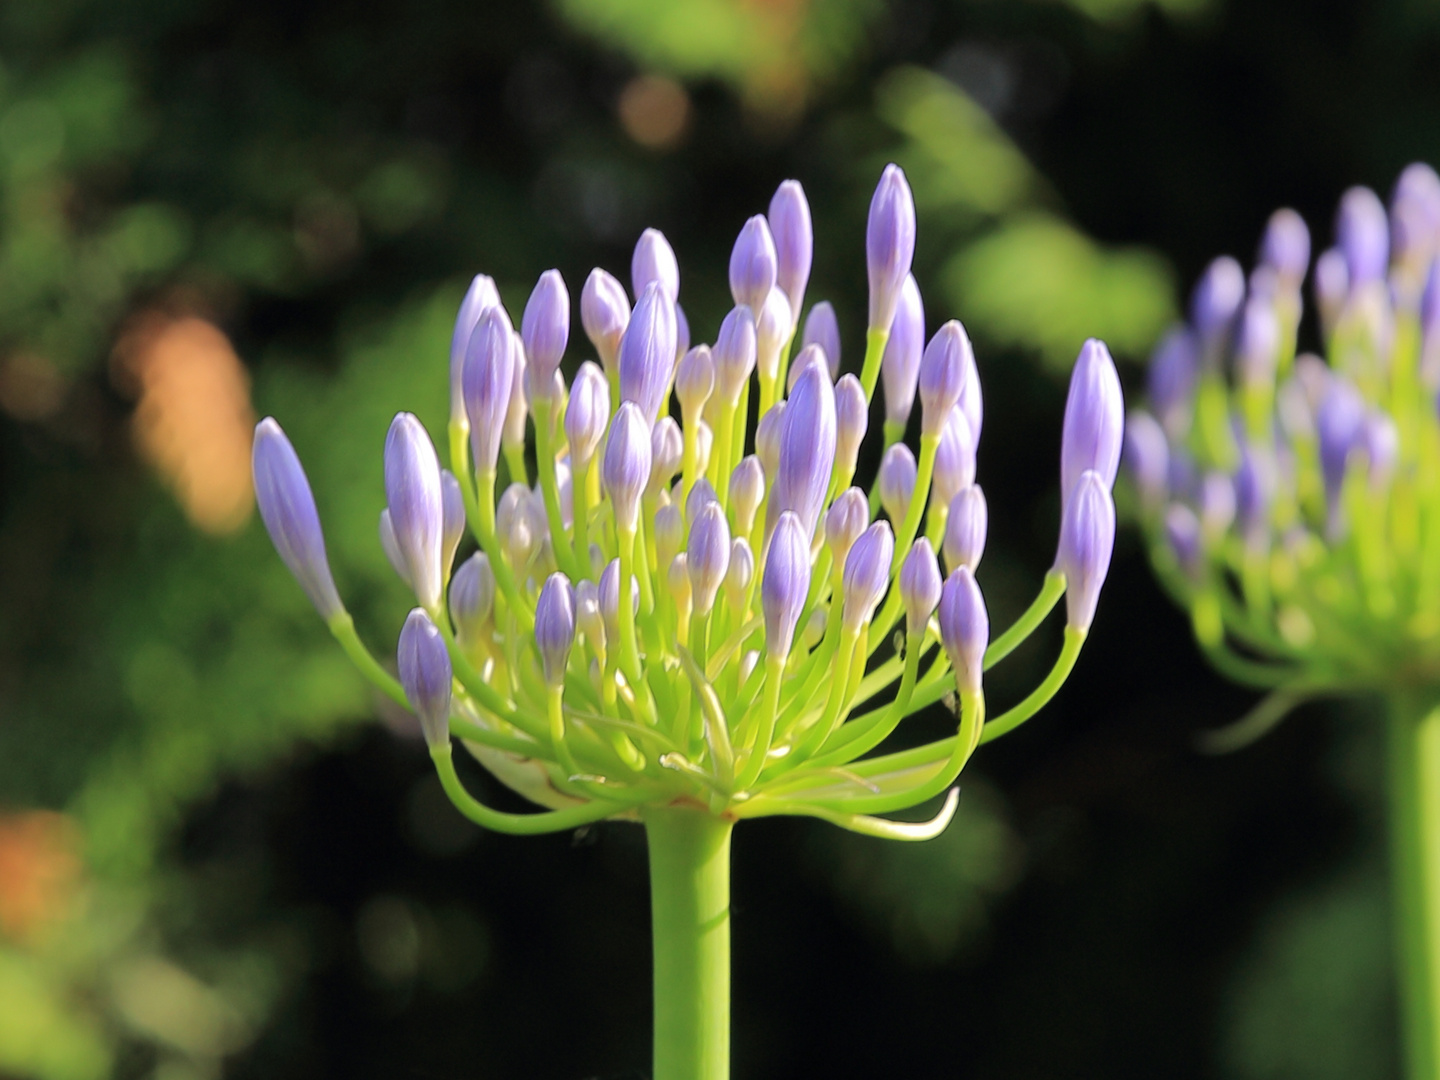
1293 508
684 623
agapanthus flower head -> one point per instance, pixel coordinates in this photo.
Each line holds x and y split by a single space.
655 617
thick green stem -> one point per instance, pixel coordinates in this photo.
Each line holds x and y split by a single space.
1415 847
690 915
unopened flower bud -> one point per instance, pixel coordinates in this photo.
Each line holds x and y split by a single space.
545 328
897 481
1258 344
588 619
920 584
425 675
1332 286
807 449
772 331
667 448
847 518
767 439
1173 369
1217 298
1381 440
702 494
647 352
288 509
654 261
587 414
682 332
1254 493
669 533
1340 424
555 627
519 526
1087 538
391 547
489 373
472 598
694 382
708 555
1286 246
1094 420
734 353
1362 233
627 463
1217 505
786 583
415 499
512 434
604 312
964 629
900 363
942 375
789 218
1182 533
747 491
852 417
482 294
753 264
452 517
954 459
704 444
966 527
867 573
1147 457
823 329
889 244
682 590
739 574
610 596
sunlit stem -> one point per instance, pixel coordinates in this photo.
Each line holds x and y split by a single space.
844 678
720 453
342 627
629 650
768 386
1041 695
515 462
690 457
1034 615
875 340
549 489
861 736
782 366
759 739
515 824
905 536
582 491
464 729
556 717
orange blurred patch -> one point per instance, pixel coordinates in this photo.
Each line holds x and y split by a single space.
654 110
194 421
39 868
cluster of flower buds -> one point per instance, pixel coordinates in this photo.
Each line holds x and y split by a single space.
1293 502
680 608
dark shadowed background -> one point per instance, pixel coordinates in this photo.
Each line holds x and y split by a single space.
219 856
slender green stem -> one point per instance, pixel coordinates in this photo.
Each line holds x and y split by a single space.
342 627
516 824
1050 594
690 915
1415 852
1008 721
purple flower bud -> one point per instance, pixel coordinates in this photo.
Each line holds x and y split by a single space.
966 527
964 629
753 264
852 417
1258 346
734 353
654 260
897 481
1286 246
587 414
1254 493
1182 533
1217 505
889 244
545 328
391 547
740 573
610 596
678 579
807 449
1332 285
789 218
847 518
669 533
1217 298
920 584
942 376
626 468
767 438
694 381
1381 440
772 330
954 459
1087 537
786 583
588 619
1094 420
1173 369
426 676
708 556
747 491
472 597
702 494
555 627
1362 233
704 443
667 448
682 333
647 352
512 435
900 363
1415 219
482 294
823 329
288 510
867 573
417 505
453 519
489 373
1147 456
604 312
520 527
1339 425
